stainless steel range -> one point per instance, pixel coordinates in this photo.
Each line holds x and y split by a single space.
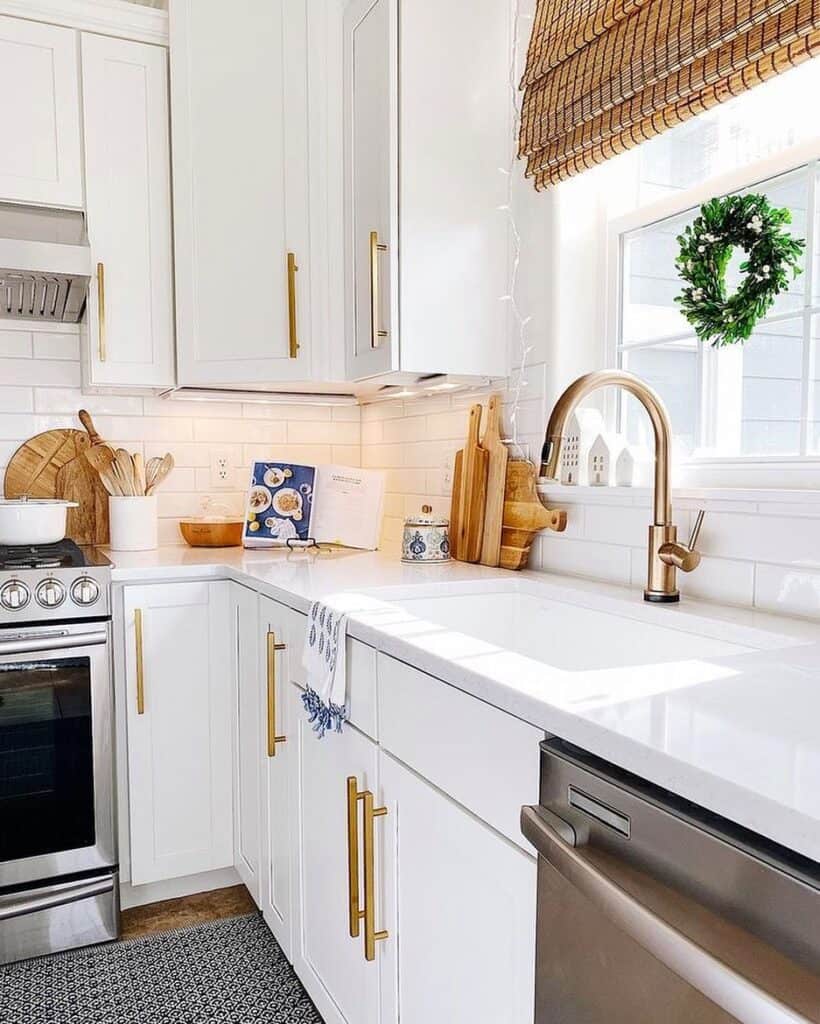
58 862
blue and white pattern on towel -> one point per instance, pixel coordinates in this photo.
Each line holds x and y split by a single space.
325 698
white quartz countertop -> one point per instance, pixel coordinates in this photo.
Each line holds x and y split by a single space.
736 731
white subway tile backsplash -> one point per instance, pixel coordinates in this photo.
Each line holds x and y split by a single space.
71 400
608 562
327 432
263 432
16 399
56 346
788 590
14 345
40 372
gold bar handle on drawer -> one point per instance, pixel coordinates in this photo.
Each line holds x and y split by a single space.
101 311
371 936
376 334
354 913
140 662
273 739
293 351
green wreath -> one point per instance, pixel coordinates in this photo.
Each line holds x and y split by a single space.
752 223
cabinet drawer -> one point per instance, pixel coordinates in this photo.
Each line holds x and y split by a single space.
484 758
361 676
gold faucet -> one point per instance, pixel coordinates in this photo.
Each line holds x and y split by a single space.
666 554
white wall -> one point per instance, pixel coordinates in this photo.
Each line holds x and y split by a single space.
40 390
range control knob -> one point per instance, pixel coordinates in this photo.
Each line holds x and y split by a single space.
85 591
14 595
50 594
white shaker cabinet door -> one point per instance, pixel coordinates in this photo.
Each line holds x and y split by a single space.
240 120
40 159
371 166
330 962
460 900
247 738
179 694
276 653
129 326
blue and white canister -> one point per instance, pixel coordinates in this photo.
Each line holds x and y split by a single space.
426 538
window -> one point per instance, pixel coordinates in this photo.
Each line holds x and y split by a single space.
755 403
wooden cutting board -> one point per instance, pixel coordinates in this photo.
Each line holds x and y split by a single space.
78 481
524 515
496 482
469 494
33 468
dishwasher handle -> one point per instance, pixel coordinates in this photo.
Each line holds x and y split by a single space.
557 841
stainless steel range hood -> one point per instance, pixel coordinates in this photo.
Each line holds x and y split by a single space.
45 264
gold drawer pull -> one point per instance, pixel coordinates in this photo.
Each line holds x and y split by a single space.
376 334
140 661
273 739
354 913
371 936
293 351
101 311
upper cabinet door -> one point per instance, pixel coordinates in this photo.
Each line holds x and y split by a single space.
39 79
130 316
370 160
240 141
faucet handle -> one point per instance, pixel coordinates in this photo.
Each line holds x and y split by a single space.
693 537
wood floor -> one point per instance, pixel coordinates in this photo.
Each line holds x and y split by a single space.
187 911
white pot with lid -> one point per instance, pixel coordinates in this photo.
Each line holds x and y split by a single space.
33 520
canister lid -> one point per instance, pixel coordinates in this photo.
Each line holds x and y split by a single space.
426 518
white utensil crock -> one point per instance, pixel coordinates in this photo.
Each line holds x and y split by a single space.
33 520
133 522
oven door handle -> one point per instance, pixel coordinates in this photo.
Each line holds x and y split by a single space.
557 841
31 643
17 905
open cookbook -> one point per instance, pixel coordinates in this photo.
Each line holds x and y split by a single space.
290 504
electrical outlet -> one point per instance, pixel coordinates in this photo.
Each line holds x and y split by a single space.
447 473
221 472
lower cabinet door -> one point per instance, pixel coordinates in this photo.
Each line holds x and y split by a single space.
459 903
329 960
276 652
178 691
247 738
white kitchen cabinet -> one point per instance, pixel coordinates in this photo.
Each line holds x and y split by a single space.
277 649
129 324
178 686
426 241
460 900
330 963
242 181
247 746
40 159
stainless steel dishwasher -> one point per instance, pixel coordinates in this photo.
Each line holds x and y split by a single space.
654 911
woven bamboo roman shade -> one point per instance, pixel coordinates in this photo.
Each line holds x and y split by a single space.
605 75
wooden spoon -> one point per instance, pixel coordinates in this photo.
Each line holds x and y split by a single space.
139 473
124 471
109 480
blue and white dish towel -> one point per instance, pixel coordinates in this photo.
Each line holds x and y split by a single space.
324 660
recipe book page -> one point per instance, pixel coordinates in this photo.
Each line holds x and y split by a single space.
348 507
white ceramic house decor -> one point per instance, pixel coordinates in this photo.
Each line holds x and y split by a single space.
632 467
601 461
582 428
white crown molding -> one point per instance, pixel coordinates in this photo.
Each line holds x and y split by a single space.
106 17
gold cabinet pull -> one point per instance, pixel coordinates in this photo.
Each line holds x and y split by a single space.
273 739
376 334
371 936
101 311
140 661
294 339
354 913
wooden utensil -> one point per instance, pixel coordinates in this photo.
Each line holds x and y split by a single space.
124 471
469 494
139 473
524 515
497 456
165 467
110 481
151 468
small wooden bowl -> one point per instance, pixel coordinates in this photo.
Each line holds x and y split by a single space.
204 533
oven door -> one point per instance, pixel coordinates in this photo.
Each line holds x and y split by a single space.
56 759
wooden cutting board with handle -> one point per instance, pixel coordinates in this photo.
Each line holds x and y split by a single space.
469 494
79 481
33 468
524 515
496 482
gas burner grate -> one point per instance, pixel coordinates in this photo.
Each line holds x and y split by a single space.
63 555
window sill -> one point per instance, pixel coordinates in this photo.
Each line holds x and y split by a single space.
801 501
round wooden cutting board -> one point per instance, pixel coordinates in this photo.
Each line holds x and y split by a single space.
33 468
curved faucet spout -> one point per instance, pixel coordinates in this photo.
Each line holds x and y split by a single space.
649 399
